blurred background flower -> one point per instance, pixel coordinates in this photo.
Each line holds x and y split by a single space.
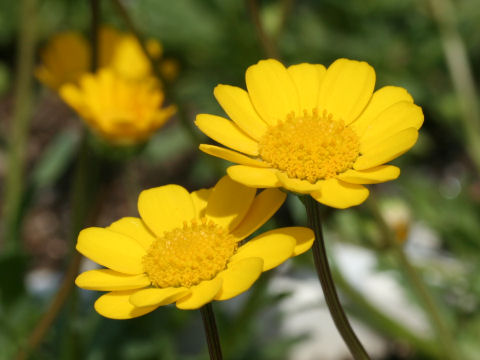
431 48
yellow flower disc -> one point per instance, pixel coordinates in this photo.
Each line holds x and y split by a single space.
186 256
310 147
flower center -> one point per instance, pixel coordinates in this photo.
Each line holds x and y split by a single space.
186 256
310 147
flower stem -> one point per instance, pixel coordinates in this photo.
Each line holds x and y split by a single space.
267 43
328 286
444 336
19 126
211 332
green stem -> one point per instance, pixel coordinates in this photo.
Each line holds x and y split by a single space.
323 271
444 336
461 74
211 332
19 125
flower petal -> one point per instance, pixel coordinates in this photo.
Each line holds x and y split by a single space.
236 103
200 200
273 247
72 96
262 209
226 133
271 91
238 277
375 175
229 202
110 249
341 195
116 305
303 236
381 100
201 294
157 297
109 280
346 89
134 228
230 155
254 177
307 79
398 117
165 208
297 185
387 150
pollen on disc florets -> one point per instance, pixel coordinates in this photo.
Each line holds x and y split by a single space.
311 147
186 256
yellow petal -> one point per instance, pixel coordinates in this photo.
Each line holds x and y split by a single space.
297 185
230 155
346 89
201 294
238 277
109 280
398 117
375 175
387 150
307 79
236 103
72 96
157 297
253 176
273 247
165 208
381 100
134 228
229 202
110 249
226 133
341 195
303 236
200 200
263 207
272 91
116 305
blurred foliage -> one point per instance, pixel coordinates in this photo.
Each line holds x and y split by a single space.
214 41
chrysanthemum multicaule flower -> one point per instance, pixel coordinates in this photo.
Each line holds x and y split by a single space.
68 56
312 130
119 110
187 248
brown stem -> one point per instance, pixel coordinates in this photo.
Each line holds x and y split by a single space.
267 43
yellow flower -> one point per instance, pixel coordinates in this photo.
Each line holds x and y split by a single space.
187 248
312 130
119 110
65 58
68 56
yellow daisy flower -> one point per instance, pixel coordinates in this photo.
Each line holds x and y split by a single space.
313 130
187 248
67 57
119 110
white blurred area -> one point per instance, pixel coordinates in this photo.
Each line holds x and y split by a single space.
306 311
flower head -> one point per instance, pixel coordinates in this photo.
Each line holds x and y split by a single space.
67 57
119 110
313 130
187 248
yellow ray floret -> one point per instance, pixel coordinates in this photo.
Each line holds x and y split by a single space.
187 248
68 56
119 110
313 130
